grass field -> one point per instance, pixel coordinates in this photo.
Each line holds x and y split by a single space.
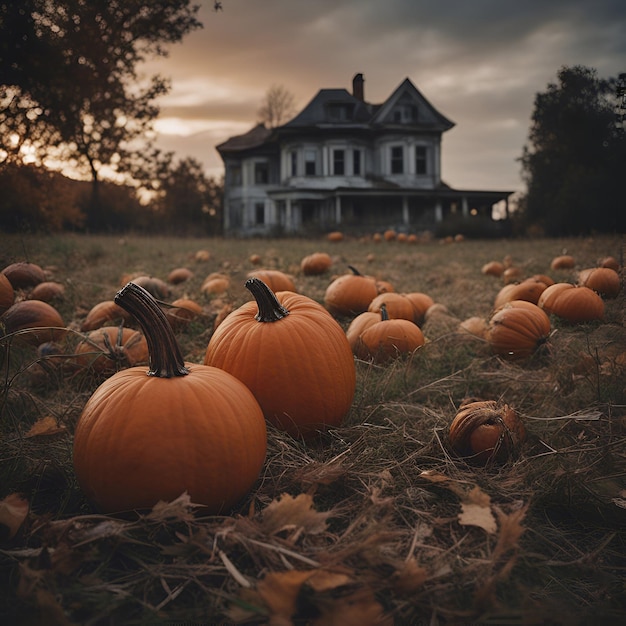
380 522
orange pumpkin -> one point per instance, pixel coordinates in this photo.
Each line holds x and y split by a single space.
154 286
493 268
215 283
610 262
182 428
409 306
518 329
35 322
390 338
316 263
274 279
485 431
335 236
603 280
23 274
7 293
111 348
105 312
47 291
356 327
563 262
573 304
179 275
293 356
351 294
529 290
181 312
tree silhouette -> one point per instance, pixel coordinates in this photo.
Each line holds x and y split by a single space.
277 107
574 161
70 86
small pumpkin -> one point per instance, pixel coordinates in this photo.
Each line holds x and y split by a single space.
105 312
409 306
112 348
390 235
563 262
147 435
512 275
485 431
335 236
215 283
476 326
154 286
7 293
274 279
610 262
390 338
518 329
293 356
23 274
179 275
603 280
493 268
48 291
181 312
202 256
315 263
35 321
529 289
351 294
356 327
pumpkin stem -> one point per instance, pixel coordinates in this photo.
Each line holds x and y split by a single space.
270 309
354 270
384 315
166 360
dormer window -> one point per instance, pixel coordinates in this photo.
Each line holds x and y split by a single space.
339 111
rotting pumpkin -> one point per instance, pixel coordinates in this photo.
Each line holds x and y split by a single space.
146 436
292 354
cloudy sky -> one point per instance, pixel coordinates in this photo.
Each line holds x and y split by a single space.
479 62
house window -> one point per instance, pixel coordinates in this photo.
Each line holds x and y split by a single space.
397 115
261 173
338 162
339 112
356 162
309 163
235 175
294 163
421 162
259 213
397 160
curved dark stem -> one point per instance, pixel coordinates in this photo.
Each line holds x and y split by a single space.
166 359
384 315
354 270
270 309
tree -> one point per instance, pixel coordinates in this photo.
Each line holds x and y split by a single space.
70 88
277 107
187 201
574 162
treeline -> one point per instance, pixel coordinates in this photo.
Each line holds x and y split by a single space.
39 200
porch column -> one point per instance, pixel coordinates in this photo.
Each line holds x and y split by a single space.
464 207
405 210
438 211
288 216
338 209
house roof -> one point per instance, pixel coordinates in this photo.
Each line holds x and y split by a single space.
317 111
254 138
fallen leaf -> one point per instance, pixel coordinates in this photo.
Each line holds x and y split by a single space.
13 512
510 531
279 591
476 511
289 513
44 427
409 577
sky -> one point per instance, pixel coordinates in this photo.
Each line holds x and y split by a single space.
479 62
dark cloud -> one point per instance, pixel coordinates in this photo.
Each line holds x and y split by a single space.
480 62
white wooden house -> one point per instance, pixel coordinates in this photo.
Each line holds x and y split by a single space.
345 164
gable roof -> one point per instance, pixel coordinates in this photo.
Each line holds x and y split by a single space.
427 114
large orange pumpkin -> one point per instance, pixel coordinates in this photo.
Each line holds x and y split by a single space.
575 304
293 356
147 435
276 280
7 293
604 281
24 274
518 329
105 312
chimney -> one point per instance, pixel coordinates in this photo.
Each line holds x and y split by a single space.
357 87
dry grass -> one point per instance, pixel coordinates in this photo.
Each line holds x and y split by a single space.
374 522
